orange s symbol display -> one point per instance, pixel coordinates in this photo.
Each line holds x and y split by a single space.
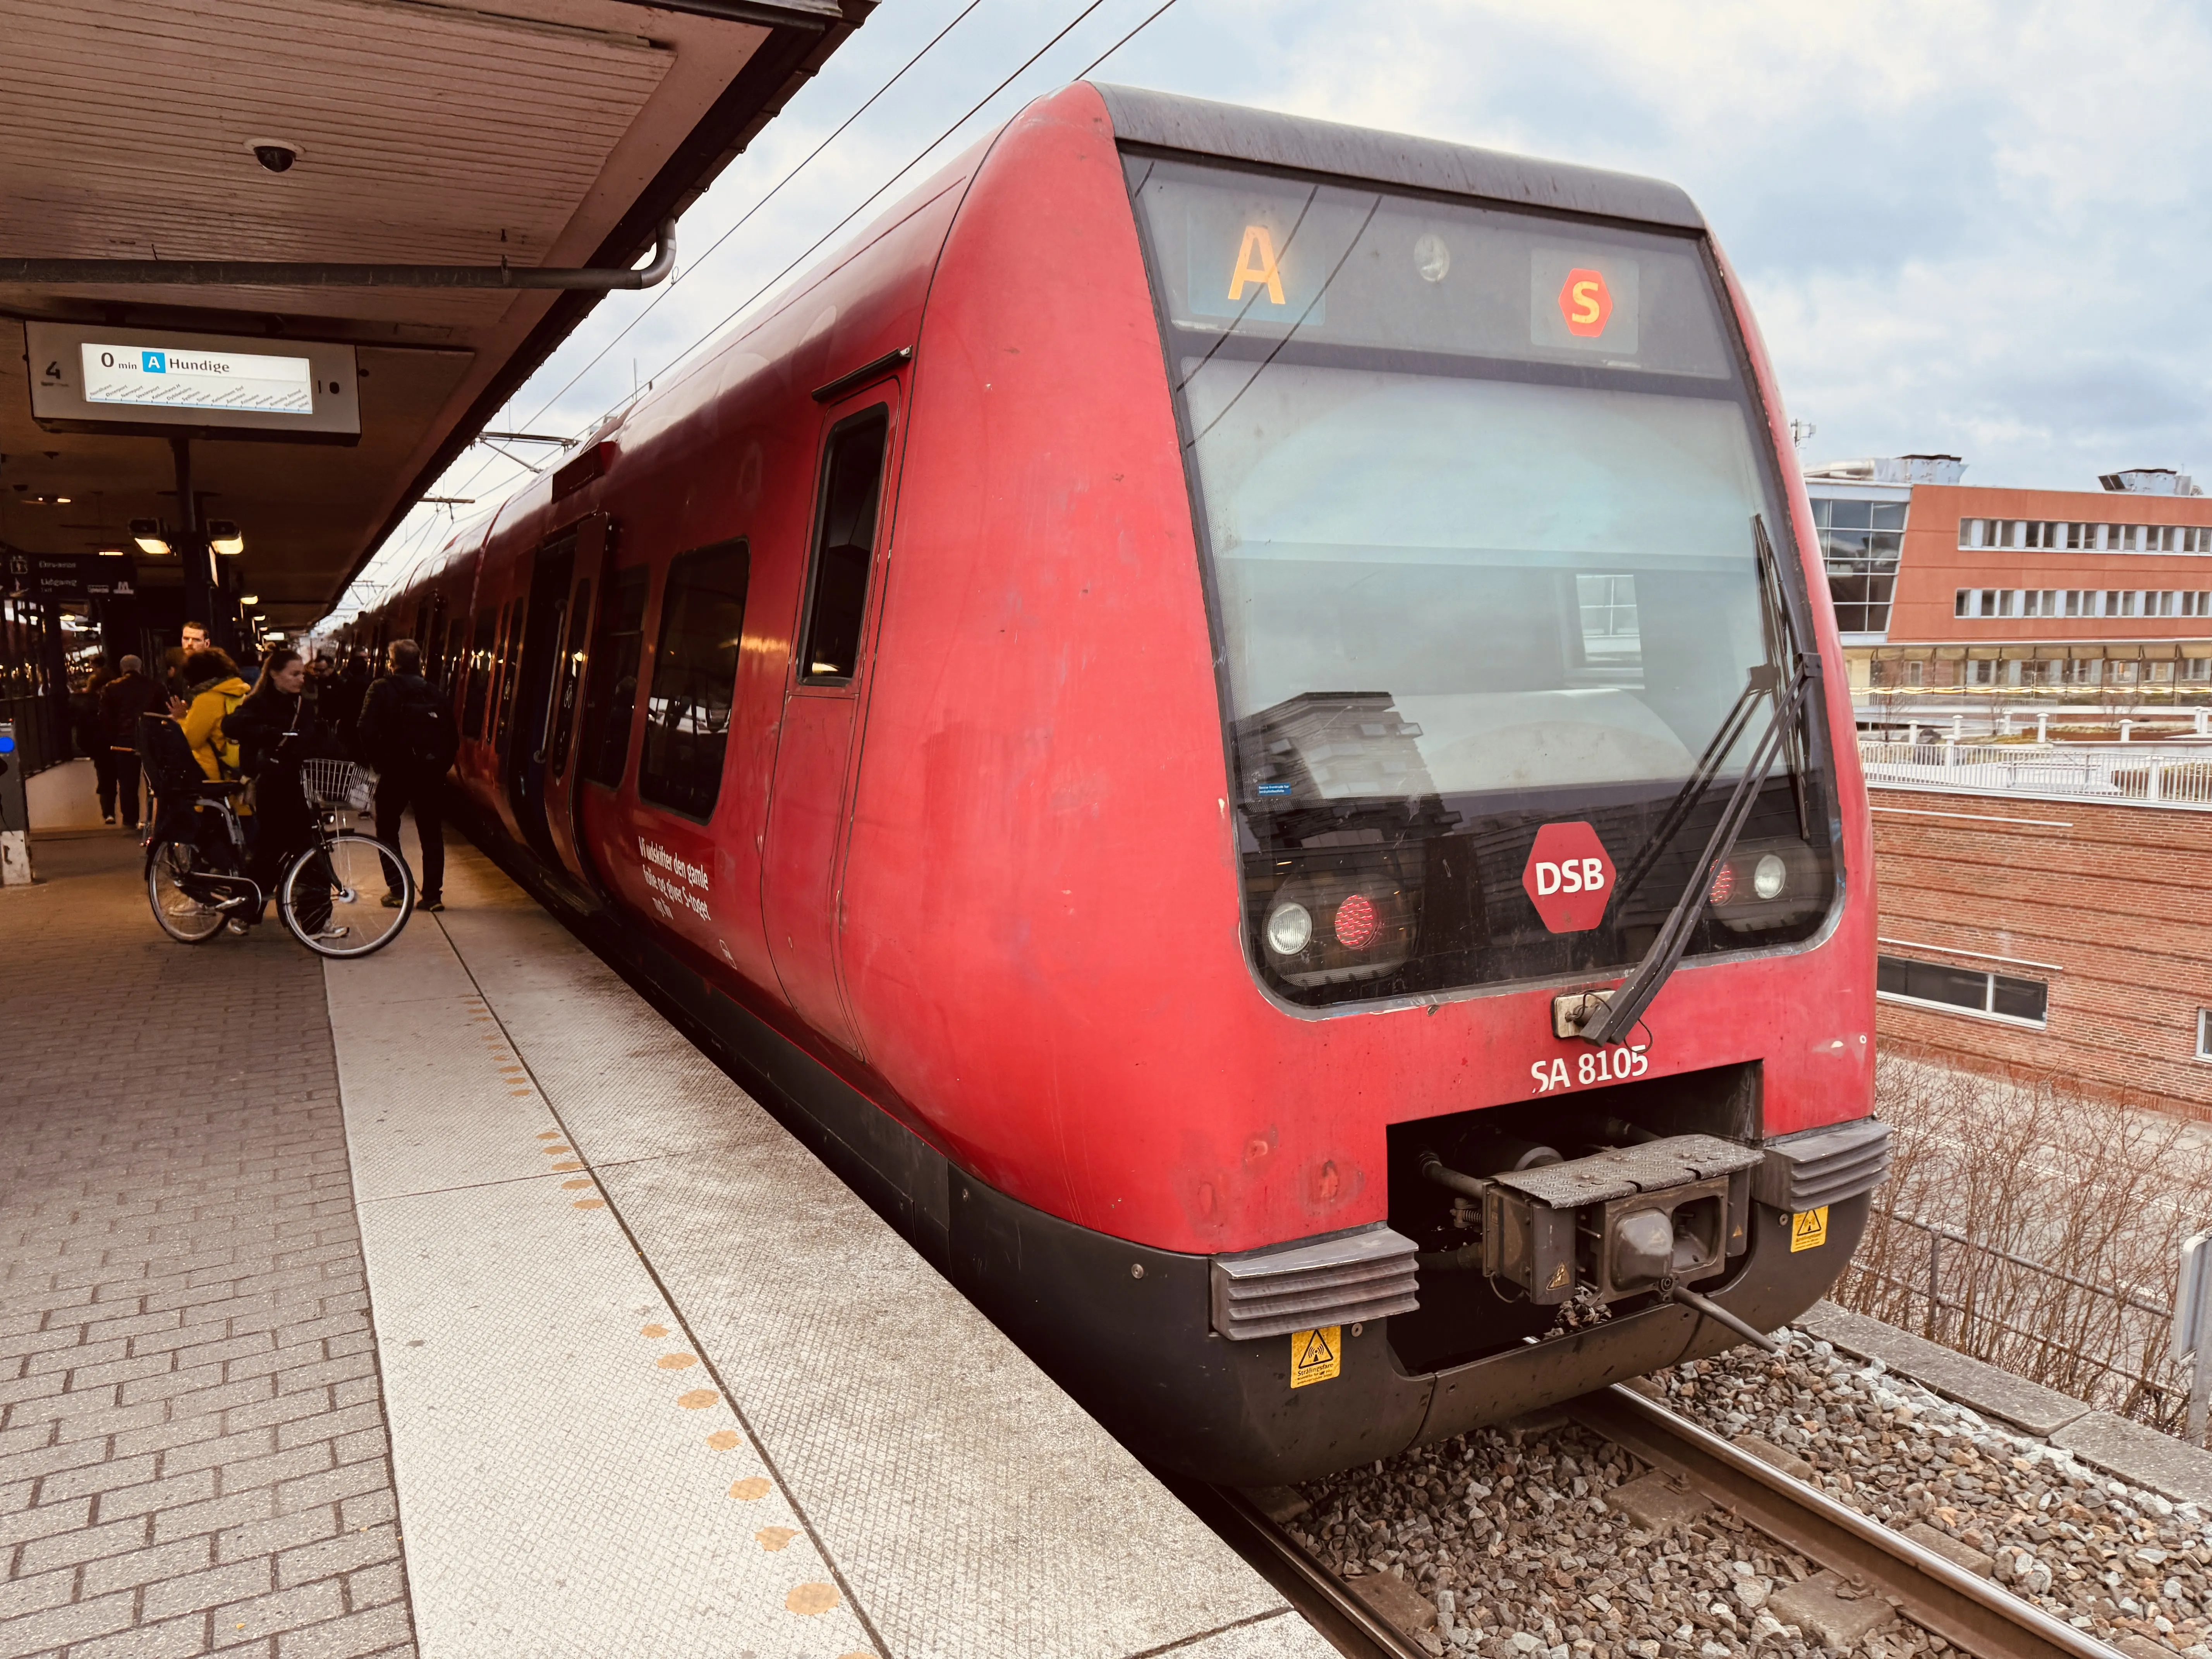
1586 302
1256 266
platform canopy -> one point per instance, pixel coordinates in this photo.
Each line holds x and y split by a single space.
536 132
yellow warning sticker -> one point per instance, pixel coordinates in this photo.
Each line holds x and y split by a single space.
1315 1355
1809 1229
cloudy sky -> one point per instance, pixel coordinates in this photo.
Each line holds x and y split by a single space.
1975 228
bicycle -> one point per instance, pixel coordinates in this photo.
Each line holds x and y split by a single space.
330 894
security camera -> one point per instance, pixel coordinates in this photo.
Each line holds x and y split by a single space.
277 158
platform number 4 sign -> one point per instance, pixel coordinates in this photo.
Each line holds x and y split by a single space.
1315 1355
1809 1229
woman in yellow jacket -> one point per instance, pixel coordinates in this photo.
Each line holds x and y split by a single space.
212 688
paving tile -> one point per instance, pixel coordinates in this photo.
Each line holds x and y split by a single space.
171 1246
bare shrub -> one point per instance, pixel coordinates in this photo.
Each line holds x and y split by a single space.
2064 1219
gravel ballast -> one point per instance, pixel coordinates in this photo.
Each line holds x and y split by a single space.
1508 1534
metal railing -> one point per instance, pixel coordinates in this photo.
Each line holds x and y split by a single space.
2083 1339
2138 773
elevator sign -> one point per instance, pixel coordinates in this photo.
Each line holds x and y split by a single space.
1569 878
174 377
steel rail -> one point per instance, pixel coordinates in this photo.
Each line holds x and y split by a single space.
1962 1608
1318 1595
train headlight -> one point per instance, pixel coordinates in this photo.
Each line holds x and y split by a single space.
1290 929
1768 875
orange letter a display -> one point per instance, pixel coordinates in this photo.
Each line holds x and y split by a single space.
1255 265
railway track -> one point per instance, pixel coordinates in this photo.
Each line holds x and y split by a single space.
1966 1610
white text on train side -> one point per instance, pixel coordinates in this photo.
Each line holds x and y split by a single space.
691 894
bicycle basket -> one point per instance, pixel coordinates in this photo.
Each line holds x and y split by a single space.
336 786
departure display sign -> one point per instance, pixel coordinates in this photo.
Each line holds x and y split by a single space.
90 377
174 377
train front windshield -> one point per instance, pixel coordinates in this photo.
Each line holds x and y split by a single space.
1480 495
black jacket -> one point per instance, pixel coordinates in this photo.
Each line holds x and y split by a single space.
384 721
123 700
259 725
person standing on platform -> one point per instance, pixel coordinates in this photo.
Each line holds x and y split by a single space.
212 690
84 732
341 699
127 696
194 640
409 735
273 730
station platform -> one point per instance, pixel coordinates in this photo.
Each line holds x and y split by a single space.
452 1303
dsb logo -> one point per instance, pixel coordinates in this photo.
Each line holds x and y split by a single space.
1574 876
1568 877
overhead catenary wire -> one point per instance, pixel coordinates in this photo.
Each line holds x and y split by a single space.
835 133
865 104
919 156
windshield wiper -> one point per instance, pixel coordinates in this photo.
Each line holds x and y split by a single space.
1784 677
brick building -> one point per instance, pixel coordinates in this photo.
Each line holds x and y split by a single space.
1942 584
2049 937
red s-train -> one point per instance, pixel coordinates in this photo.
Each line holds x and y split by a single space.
1137 702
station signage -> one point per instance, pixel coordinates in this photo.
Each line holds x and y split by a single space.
165 378
69 578
134 381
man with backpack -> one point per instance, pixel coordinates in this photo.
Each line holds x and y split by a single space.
408 734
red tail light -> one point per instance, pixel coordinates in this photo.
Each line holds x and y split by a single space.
1724 884
1356 922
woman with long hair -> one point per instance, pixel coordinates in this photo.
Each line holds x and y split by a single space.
275 732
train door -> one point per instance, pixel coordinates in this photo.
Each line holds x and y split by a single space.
560 794
809 801
544 630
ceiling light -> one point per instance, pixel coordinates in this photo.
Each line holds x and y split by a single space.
147 532
223 536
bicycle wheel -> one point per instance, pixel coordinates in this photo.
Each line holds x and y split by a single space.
183 917
333 897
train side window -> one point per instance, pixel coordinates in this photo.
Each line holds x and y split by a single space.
571 671
694 676
457 633
844 542
610 684
472 709
510 649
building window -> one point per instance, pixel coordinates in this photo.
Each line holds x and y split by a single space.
2121 673
2082 672
1860 543
1607 606
2197 540
2041 535
2204 1034
2197 669
2159 673
1964 990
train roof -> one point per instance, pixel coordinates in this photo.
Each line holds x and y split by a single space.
1235 133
